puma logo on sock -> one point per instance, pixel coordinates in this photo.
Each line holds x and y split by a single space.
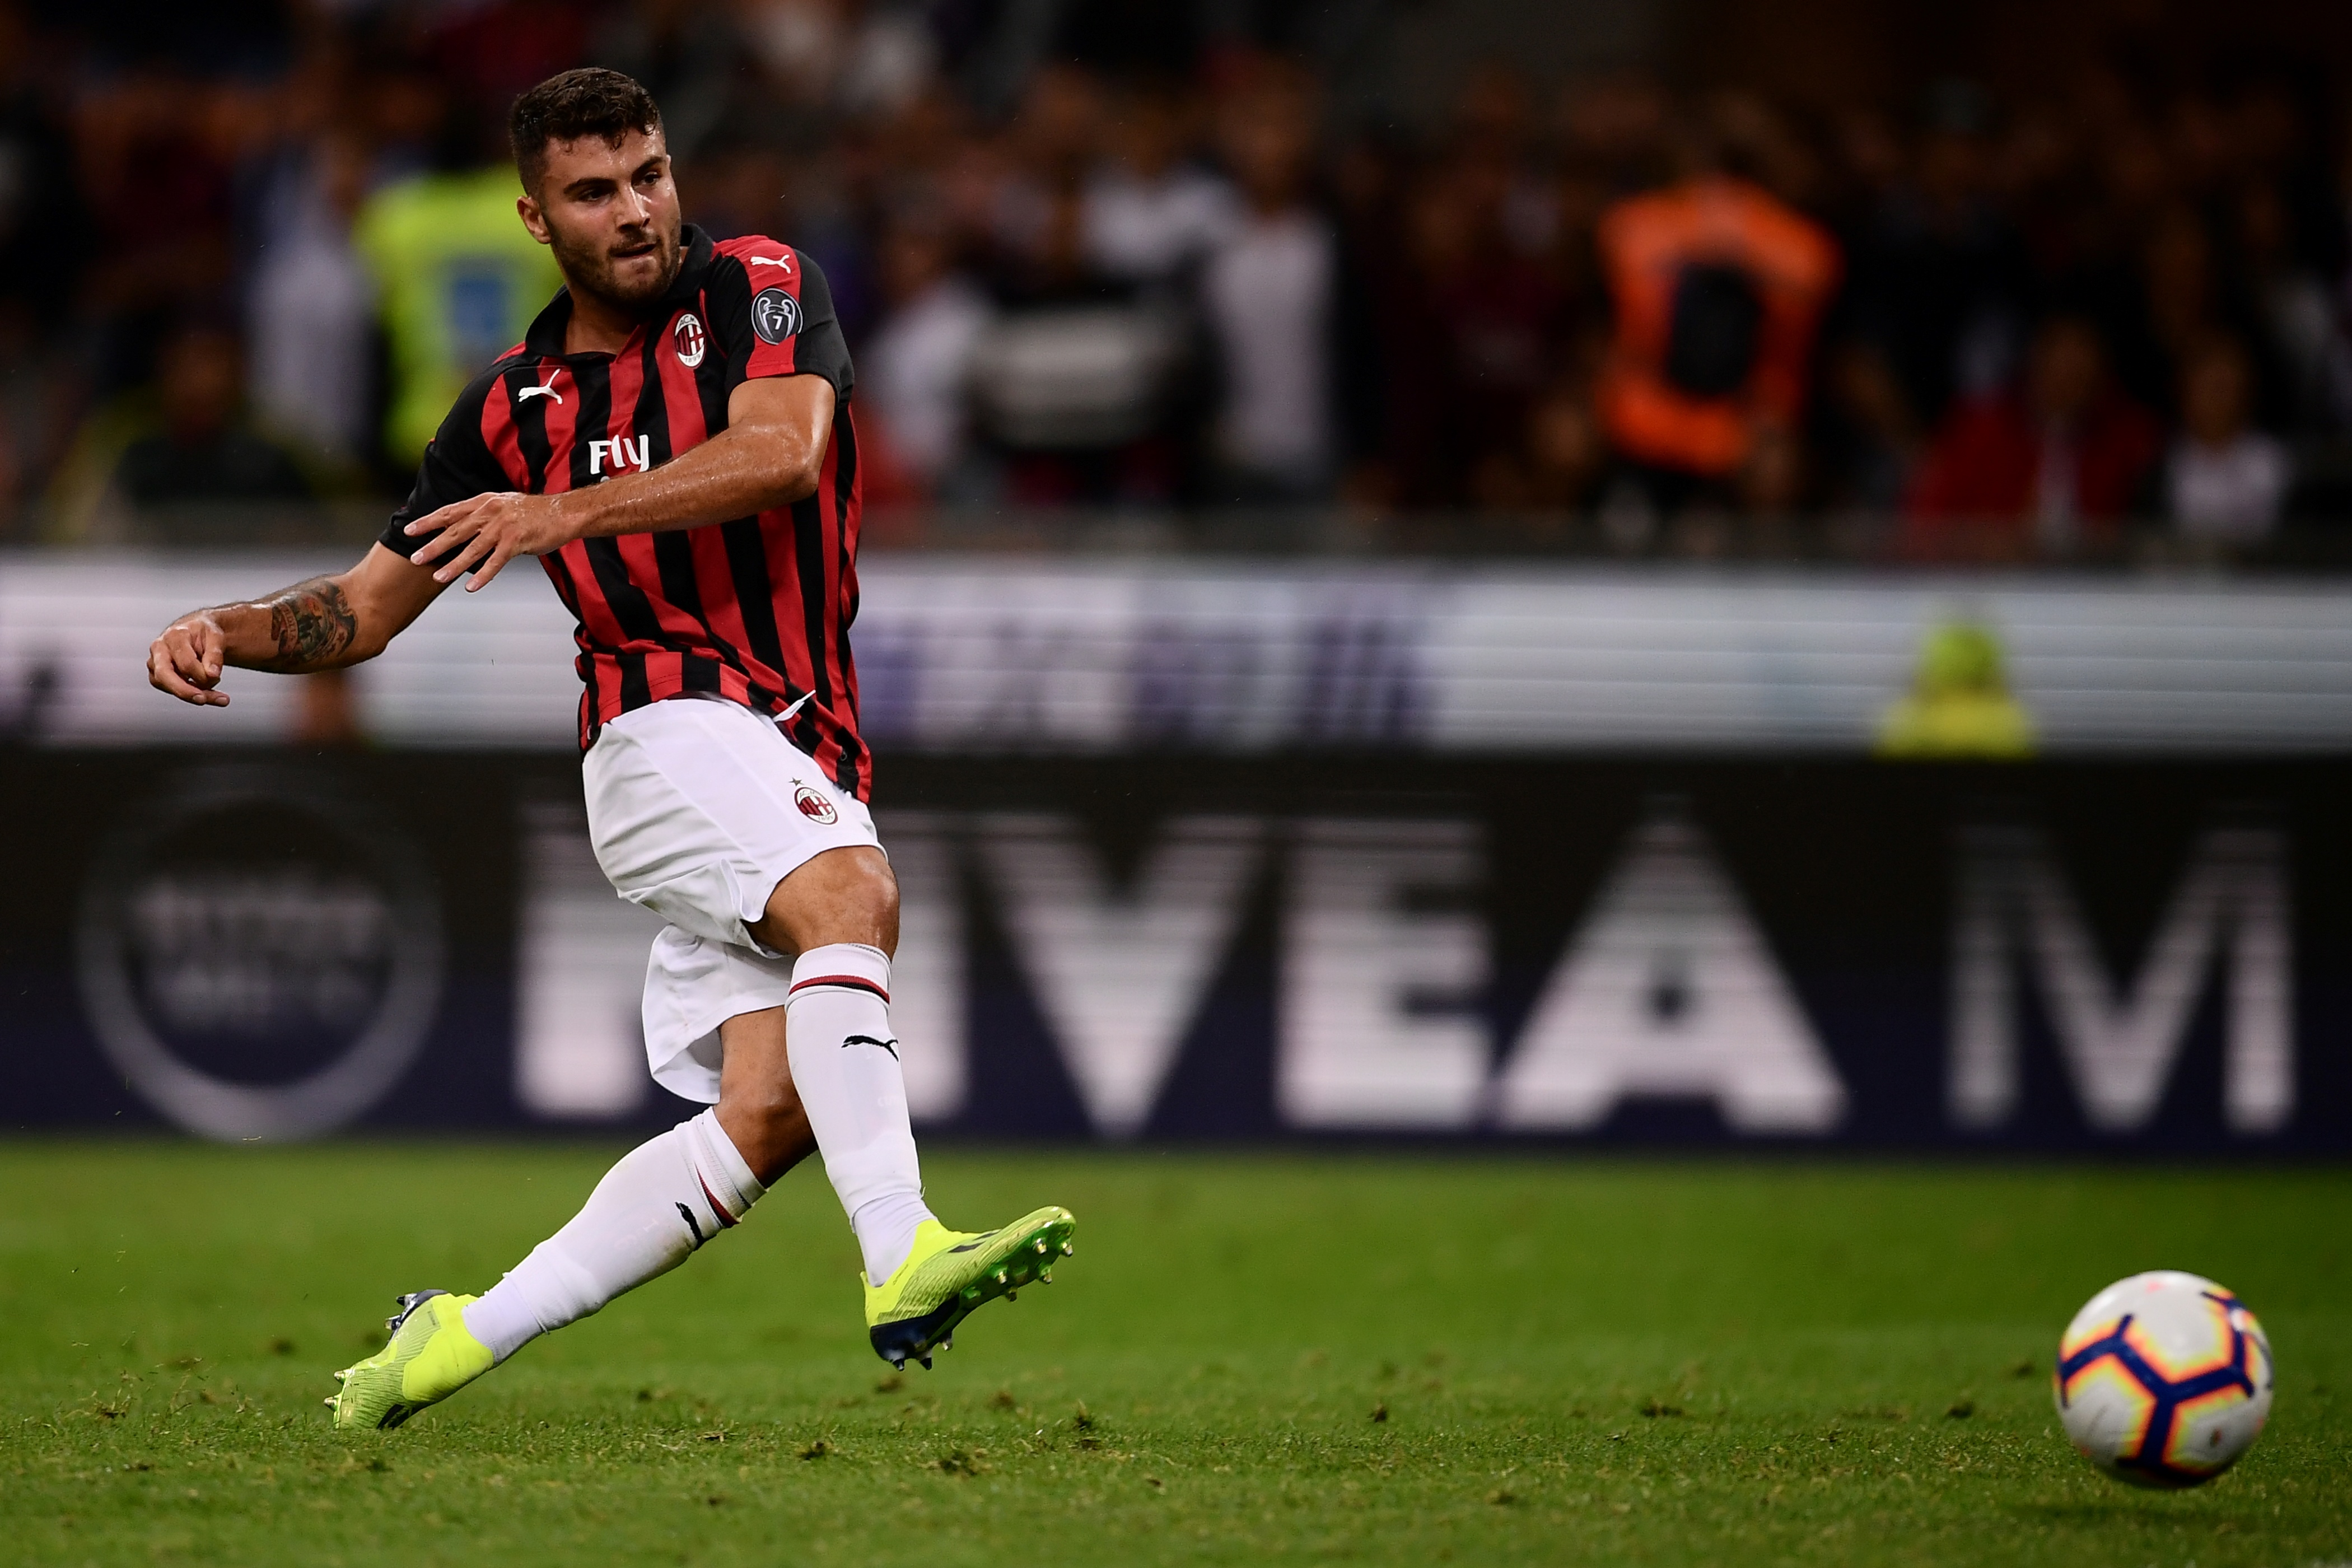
890 1046
686 1214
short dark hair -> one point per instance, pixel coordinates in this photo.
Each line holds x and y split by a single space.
589 101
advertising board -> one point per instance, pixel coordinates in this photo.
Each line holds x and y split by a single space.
2057 957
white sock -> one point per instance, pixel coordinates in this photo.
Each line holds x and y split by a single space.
846 1065
666 1198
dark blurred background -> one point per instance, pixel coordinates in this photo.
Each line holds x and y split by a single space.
1697 276
1395 530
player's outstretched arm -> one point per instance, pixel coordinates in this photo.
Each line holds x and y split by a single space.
770 454
323 623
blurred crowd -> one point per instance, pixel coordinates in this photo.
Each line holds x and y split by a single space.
1119 258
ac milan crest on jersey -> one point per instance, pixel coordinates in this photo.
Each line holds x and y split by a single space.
755 610
814 807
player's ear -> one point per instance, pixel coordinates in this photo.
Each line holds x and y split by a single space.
527 208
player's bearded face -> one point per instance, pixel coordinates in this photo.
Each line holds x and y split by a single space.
612 217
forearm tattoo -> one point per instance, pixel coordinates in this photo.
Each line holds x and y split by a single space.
312 623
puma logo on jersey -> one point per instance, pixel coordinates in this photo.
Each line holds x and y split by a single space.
890 1046
622 453
783 261
545 389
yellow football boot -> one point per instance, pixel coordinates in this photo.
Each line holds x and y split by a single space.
429 1357
916 1310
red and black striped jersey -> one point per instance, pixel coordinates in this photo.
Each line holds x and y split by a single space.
756 610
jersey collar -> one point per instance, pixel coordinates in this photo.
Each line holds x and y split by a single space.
545 337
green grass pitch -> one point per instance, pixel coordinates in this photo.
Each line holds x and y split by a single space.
1251 1359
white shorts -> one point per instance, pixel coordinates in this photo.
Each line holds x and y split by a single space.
697 808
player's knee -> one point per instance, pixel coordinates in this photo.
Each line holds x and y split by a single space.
842 895
773 1111
866 905
767 1124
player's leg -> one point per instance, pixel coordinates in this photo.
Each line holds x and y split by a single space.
665 1200
660 1204
839 911
696 808
681 801
839 914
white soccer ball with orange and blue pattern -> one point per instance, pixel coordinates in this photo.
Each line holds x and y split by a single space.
2164 1380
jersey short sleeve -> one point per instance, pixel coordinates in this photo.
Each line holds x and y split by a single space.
772 313
458 465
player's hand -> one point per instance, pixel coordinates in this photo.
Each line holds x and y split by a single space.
482 533
188 658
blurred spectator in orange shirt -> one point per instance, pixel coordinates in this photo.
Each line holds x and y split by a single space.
2043 473
1719 288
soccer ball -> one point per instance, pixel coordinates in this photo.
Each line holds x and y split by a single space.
2163 1380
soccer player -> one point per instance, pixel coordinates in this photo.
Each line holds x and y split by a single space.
673 439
